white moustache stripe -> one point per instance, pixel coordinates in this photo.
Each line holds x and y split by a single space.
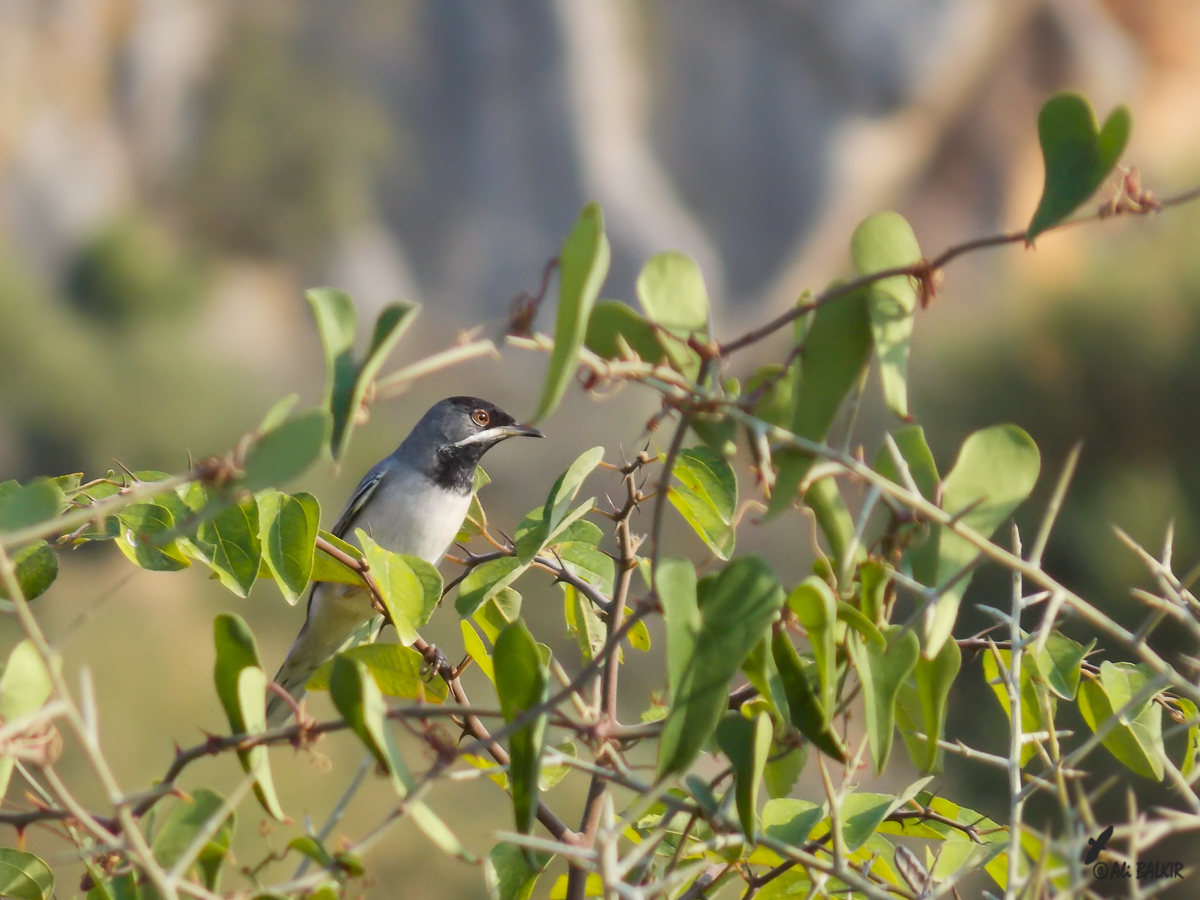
484 437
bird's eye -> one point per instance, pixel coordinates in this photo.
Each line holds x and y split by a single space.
481 418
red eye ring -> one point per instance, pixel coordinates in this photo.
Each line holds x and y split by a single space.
481 418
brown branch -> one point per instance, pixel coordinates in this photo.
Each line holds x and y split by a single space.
927 268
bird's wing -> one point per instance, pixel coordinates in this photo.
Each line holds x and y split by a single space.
362 494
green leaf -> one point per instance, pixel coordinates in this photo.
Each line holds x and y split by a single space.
813 720
583 265
996 470
886 241
326 568
784 766
588 562
922 707
824 498
1032 716
498 613
874 577
512 872
910 441
836 350
288 526
862 815
735 615
775 405
337 321
583 623
278 413
1059 663
1078 156
485 581
228 543
1192 715
286 451
477 650
816 607
36 567
25 685
763 673
552 775
746 742
397 671
241 688
346 381
31 504
536 530
671 290
707 497
882 672
411 587
144 538
187 818
360 703
1136 739
790 821
677 591
522 682
615 328
860 623
24 876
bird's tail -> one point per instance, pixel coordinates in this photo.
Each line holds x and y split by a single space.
335 613
292 676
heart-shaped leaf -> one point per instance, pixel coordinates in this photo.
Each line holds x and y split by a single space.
1078 156
885 241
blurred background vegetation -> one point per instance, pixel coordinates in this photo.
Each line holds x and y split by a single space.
173 173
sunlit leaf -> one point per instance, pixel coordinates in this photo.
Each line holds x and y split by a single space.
398 672
1078 155
36 567
746 742
1136 739
706 497
229 544
836 349
241 688
923 704
614 328
882 671
24 876
733 617
288 526
286 451
583 265
810 717
522 682
485 581
1032 716
512 872
996 470
411 587
886 241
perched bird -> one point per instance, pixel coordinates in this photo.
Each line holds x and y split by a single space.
412 502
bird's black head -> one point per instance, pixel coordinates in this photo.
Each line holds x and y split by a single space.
452 437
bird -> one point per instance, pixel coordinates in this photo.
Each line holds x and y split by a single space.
412 502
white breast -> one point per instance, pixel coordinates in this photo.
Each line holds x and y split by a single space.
409 514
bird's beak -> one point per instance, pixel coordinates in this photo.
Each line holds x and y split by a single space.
518 430
492 436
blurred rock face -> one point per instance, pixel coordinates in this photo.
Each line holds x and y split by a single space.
439 150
